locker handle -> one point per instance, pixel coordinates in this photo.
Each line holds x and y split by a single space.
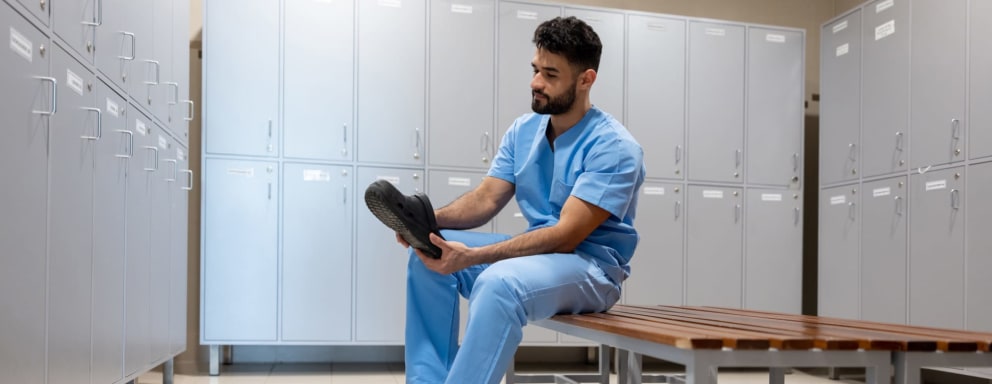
955 129
899 208
851 212
852 151
175 165
795 162
55 90
344 194
155 151
416 153
130 145
795 219
899 140
270 129
126 35
158 72
98 18
99 124
737 213
344 132
678 153
678 209
955 199
270 190
737 160
189 179
175 91
189 110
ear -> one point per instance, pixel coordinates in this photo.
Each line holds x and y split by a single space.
586 79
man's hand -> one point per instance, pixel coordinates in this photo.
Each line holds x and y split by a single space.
455 256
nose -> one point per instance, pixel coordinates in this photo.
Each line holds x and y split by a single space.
537 83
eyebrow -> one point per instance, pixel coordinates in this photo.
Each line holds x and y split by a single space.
549 69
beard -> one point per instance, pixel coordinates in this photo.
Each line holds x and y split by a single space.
553 105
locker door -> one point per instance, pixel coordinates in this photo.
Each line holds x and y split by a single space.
38 8
716 83
142 167
775 106
317 252
936 249
445 187
391 104
883 260
115 43
980 84
462 57
241 90
517 23
937 102
181 111
163 91
607 93
838 257
111 156
146 69
713 251
840 103
319 79
979 303
381 270
773 262
885 87
656 271
75 130
163 181
76 22
656 92
179 258
239 260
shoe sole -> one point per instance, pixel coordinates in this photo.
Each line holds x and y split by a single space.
387 204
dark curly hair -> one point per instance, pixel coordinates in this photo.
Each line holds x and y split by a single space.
572 38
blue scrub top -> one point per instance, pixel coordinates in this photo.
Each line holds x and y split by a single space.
597 160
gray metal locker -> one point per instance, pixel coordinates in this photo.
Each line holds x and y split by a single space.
391 105
111 156
163 90
380 297
608 92
775 108
462 59
181 112
510 220
937 102
885 87
716 83
773 262
883 250
714 245
840 103
163 180
838 293
75 130
24 158
517 22
241 81
137 288
146 70
318 80
179 258
39 9
980 80
657 268
240 253
978 263
443 187
76 22
656 92
936 248
316 279
115 42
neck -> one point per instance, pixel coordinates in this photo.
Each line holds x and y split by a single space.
565 121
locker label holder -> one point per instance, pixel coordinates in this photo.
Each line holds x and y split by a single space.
21 45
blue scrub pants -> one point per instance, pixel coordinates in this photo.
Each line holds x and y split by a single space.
503 297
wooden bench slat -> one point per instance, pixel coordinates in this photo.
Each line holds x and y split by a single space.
676 329
733 337
683 341
778 340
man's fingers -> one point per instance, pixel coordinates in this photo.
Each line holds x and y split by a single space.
399 239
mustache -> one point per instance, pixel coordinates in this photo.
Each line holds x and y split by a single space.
535 93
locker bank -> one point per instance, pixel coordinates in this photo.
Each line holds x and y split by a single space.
183 180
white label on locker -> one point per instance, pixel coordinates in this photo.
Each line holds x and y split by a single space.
771 197
518 214
391 3
163 143
246 172
775 38
459 181
527 15
884 5
716 31
74 81
843 49
113 109
316 175
835 200
884 30
180 155
140 127
936 185
461 8
713 194
880 192
840 26
392 179
592 20
654 190
21 45
657 27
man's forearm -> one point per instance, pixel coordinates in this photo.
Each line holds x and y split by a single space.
536 242
466 212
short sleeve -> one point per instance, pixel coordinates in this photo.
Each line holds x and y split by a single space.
611 176
503 163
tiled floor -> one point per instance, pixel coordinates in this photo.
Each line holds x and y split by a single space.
393 374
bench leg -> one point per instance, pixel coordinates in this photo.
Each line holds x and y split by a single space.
604 364
906 373
776 375
696 373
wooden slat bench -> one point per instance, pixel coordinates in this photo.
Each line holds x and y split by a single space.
706 338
